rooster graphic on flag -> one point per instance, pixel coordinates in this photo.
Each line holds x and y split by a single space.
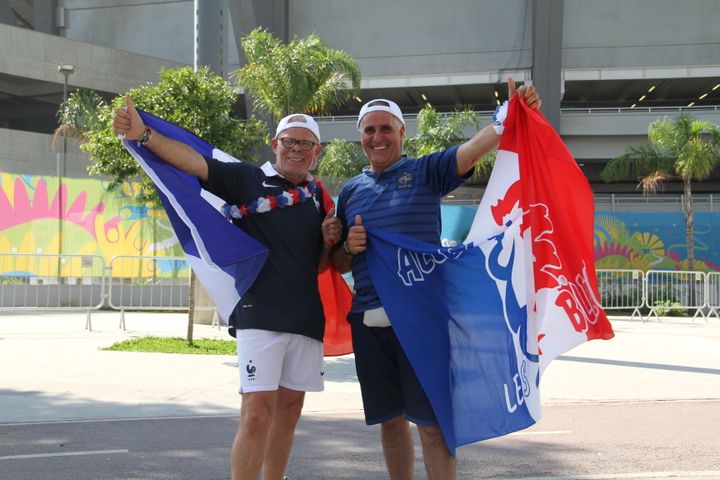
481 321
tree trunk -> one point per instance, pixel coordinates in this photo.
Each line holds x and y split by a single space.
191 307
689 233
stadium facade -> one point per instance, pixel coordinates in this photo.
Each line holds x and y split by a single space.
606 69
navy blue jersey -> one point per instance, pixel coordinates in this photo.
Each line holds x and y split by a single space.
405 198
284 297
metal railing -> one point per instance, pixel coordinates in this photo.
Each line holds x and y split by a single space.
147 283
85 283
568 111
622 290
667 109
51 282
660 292
611 202
674 290
712 297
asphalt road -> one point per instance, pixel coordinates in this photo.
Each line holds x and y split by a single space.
644 405
623 440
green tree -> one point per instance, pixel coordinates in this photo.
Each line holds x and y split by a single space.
436 131
80 114
200 102
304 76
340 160
685 149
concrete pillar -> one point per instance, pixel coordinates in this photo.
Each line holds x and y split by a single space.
44 16
547 56
247 15
211 35
6 14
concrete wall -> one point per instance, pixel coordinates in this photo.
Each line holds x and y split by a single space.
640 33
32 55
421 37
588 136
32 154
425 38
158 28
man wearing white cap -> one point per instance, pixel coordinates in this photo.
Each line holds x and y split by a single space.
279 321
401 195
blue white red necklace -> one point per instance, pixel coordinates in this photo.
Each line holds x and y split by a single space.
268 203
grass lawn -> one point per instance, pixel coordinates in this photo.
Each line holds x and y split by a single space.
175 345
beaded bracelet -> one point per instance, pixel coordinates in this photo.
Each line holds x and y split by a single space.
145 137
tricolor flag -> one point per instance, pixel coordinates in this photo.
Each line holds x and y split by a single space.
482 320
225 259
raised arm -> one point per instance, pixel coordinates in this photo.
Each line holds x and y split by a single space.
127 122
484 141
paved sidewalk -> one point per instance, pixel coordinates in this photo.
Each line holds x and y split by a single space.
51 368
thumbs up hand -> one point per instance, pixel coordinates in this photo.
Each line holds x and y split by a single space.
331 228
127 122
357 237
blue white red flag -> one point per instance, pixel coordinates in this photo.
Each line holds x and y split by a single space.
482 320
226 259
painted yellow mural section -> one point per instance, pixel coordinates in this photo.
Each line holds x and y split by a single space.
87 225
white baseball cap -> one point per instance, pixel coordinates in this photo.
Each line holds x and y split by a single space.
298 120
380 104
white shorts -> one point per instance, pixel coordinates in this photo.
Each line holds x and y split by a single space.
268 360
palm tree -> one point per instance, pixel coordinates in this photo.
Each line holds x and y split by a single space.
80 115
303 76
436 131
686 149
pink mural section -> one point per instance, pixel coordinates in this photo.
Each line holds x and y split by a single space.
77 218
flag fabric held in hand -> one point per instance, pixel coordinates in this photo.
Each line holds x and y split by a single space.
225 259
481 321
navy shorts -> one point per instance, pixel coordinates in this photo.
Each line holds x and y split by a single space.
388 382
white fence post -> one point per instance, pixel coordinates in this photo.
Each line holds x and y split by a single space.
712 296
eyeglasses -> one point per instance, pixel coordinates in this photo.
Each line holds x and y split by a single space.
305 145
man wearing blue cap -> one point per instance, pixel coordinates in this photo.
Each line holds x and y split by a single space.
279 321
401 195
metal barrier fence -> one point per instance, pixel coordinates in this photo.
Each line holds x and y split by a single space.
660 292
622 290
712 299
675 290
51 282
147 283
85 283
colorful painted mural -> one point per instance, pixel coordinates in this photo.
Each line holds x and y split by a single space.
95 223
655 240
92 223
625 240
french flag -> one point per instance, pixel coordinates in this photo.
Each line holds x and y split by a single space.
481 321
225 259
